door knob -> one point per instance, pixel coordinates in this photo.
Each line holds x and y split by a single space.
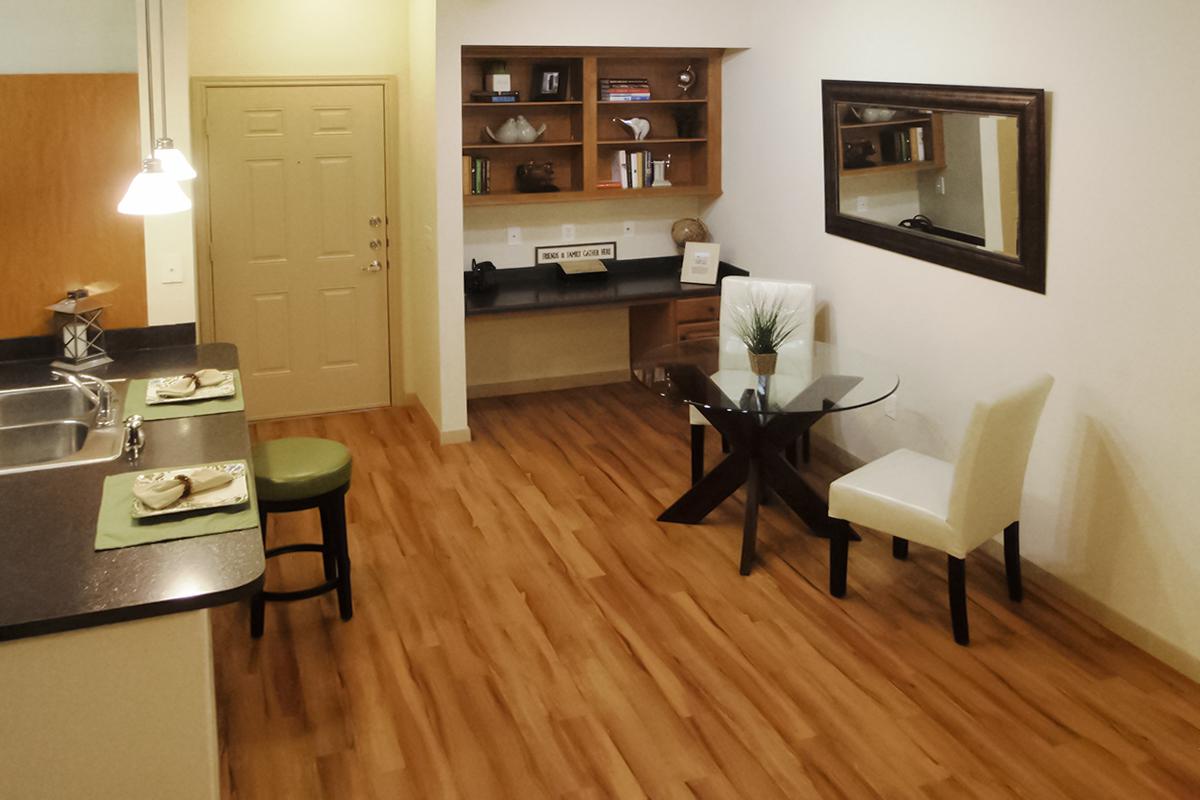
374 222
375 243
374 266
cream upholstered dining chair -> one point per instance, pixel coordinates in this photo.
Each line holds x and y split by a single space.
954 507
795 355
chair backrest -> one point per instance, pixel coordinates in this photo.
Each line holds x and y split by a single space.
739 293
990 473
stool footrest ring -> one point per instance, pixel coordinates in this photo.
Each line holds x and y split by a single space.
302 594
295 548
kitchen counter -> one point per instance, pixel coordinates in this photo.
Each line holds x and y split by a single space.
51 579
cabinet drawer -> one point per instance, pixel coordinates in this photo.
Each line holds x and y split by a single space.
697 330
698 309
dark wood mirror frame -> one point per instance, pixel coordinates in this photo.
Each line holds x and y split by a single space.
1026 270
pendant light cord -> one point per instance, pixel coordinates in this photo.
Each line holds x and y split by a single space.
149 76
162 68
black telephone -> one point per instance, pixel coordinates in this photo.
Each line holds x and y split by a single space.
481 278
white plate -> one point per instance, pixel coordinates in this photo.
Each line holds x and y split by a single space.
226 388
231 494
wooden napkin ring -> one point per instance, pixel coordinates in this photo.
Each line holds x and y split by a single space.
187 485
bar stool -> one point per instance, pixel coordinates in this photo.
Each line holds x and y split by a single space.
295 474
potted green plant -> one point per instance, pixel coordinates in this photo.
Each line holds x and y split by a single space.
763 327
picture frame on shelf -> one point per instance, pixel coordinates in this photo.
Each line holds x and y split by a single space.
551 82
701 261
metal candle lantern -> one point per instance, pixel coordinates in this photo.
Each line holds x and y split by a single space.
77 324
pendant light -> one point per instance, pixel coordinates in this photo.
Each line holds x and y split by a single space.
174 163
152 191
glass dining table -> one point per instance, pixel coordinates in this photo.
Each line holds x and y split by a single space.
762 417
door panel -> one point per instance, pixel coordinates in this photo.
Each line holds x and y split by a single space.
296 174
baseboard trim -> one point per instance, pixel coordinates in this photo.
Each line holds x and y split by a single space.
842 461
458 436
549 384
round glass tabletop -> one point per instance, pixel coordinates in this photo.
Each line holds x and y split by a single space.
810 377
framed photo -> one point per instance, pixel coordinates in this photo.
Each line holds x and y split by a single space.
700 262
550 81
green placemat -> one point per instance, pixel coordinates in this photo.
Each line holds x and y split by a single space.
135 402
117 528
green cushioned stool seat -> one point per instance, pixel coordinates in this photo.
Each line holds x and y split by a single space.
299 467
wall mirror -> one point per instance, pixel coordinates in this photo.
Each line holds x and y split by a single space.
954 175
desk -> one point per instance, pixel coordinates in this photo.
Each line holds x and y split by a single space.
761 417
536 331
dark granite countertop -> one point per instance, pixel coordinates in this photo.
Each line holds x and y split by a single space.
628 281
52 580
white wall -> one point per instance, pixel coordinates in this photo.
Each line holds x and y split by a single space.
67 36
675 23
170 242
1110 505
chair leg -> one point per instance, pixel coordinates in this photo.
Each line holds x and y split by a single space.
957 574
333 514
1012 561
806 446
724 444
793 455
258 603
899 548
697 453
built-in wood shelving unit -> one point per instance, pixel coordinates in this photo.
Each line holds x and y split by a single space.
581 135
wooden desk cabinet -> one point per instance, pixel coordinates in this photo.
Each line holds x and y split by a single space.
655 324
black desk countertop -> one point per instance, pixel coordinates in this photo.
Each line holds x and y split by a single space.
51 578
628 281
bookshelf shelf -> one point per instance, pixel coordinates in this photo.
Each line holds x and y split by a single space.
581 132
519 146
921 134
634 142
526 104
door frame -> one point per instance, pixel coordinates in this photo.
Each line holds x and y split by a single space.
205 304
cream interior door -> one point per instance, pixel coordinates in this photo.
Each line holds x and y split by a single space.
299 248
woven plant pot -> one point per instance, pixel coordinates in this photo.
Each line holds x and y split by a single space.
763 363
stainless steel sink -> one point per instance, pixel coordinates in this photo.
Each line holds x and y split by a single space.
46 427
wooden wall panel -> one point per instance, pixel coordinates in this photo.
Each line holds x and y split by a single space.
68 149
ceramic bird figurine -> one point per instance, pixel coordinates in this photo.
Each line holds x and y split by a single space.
639 127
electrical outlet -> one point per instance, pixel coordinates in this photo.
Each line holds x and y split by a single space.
514 235
628 229
889 405
568 232
940 185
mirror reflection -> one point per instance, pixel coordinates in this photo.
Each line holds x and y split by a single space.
946 174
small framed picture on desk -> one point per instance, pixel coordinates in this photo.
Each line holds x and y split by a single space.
700 262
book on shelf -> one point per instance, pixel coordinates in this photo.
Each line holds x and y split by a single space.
624 89
477 175
632 169
496 97
917 136
904 145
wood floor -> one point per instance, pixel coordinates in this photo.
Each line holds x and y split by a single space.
524 628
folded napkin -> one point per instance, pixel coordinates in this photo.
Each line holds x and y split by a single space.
160 494
186 385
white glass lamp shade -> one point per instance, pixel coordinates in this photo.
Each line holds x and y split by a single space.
153 192
174 163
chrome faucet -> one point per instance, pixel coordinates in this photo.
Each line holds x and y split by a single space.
104 397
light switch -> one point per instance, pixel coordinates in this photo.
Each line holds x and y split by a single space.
940 186
514 235
860 204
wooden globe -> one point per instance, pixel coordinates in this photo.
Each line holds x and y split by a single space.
689 229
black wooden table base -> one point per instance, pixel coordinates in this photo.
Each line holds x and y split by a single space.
758 444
